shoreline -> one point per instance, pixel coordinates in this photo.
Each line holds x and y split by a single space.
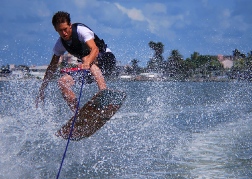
6 79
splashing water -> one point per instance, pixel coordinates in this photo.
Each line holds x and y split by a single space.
163 130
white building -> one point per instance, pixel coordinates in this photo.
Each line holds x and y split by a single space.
17 74
38 71
151 75
226 61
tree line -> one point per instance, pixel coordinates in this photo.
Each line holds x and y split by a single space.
175 67
197 66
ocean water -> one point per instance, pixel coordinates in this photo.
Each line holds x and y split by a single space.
163 130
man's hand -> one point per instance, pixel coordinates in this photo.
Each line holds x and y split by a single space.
94 51
85 64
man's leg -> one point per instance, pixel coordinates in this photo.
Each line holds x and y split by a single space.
65 83
96 72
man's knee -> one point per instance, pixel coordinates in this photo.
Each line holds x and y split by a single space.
65 81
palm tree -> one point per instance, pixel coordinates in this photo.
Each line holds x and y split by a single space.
195 55
237 54
135 67
156 63
174 63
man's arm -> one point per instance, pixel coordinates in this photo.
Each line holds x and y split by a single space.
48 76
95 70
94 50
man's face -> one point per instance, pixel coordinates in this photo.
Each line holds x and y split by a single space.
64 30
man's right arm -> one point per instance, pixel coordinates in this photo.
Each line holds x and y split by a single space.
51 69
48 76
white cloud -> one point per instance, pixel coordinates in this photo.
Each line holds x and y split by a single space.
80 3
137 15
225 19
133 13
155 8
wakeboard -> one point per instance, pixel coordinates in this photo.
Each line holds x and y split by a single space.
93 115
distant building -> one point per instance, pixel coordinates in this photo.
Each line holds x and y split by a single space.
17 74
12 67
38 71
126 77
151 75
226 61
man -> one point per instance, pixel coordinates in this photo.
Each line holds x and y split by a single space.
83 43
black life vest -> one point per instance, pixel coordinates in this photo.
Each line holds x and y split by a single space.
80 49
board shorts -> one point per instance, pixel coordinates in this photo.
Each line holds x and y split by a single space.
105 61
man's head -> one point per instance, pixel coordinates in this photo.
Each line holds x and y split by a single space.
62 24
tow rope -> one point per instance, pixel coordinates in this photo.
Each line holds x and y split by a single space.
75 115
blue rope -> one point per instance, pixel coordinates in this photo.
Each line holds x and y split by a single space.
75 115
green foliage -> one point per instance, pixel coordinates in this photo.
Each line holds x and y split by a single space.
156 63
174 62
134 69
197 66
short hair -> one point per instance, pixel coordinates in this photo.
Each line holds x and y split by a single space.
61 17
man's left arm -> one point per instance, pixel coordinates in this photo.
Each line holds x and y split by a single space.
94 51
95 70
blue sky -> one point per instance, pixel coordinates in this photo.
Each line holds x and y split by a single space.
209 27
